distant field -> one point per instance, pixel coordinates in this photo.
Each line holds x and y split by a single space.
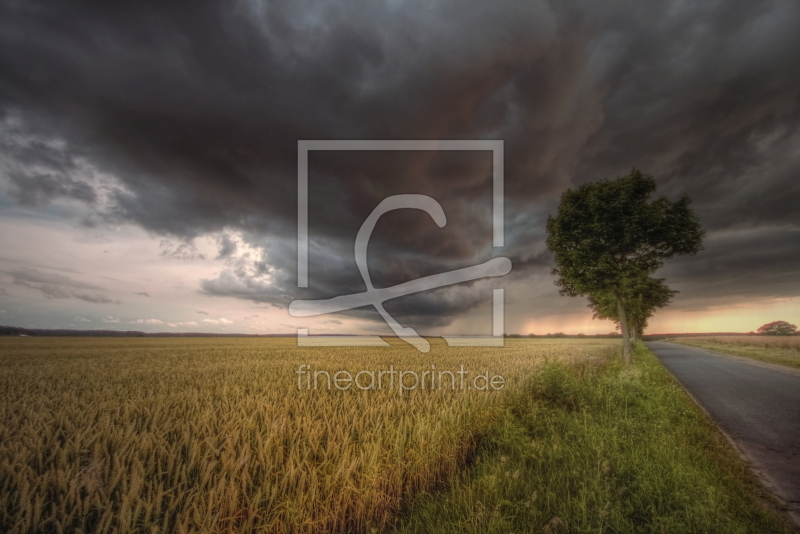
212 435
782 350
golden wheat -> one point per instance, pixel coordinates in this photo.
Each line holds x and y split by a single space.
213 435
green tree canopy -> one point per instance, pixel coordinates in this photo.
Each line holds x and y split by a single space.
778 328
608 232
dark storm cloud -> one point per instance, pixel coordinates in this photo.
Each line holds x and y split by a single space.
745 263
39 172
188 117
57 286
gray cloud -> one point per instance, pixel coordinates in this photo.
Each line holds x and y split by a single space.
39 171
57 286
41 188
181 250
226 247
186 122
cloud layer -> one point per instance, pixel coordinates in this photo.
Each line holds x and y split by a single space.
185 122
56 286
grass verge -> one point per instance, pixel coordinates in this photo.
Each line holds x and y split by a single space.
597 447
768 354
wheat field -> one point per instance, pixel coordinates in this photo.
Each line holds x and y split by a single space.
213 434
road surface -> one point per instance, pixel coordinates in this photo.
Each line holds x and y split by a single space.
756 405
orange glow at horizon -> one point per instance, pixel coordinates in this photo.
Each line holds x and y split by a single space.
741 317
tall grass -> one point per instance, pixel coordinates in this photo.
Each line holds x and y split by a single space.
212 435
598 447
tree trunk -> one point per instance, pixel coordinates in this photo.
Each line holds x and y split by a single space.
623 323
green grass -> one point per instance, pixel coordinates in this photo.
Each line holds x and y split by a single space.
788 357
597 447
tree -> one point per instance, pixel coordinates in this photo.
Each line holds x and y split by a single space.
608 232
642 298
778 328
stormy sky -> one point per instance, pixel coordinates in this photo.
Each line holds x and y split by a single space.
148 155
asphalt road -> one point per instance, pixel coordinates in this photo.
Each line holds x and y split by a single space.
755 404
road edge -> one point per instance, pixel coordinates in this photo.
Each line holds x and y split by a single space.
789 509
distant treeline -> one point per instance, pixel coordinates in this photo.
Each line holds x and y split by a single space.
62 332
561 334
647 337
658 337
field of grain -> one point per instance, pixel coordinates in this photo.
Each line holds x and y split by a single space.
782 350
213 435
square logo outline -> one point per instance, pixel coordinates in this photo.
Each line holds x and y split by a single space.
495 146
